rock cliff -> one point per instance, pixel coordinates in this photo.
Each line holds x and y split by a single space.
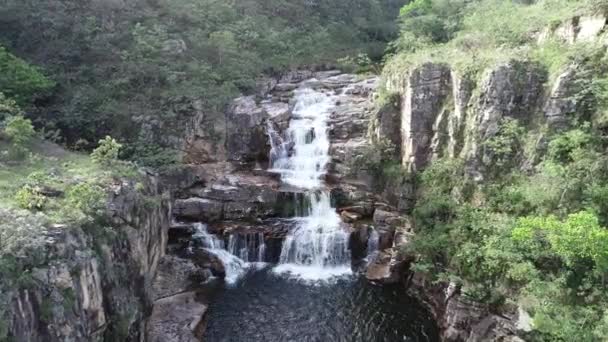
91 282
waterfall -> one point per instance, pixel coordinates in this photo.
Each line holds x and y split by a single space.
318 247
243 251
372 246
234 266
249 247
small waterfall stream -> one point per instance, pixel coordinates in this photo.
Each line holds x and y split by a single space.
238 257
318 247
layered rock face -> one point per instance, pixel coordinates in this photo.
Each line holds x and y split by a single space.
441 112
445 114
93 283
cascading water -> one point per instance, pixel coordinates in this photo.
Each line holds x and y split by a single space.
233 266
372 246
249 247
318 247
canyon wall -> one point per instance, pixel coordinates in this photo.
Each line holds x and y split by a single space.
91 282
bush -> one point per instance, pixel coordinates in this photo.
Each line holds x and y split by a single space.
29 197
501 150
89 198
8 107
107 151
19 131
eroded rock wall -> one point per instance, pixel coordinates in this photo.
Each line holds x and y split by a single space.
92 282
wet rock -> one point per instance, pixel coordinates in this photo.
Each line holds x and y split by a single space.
279 112
204 259
326 74
383 217
295 76
179 318
198 209
285 87
350 217
247 141
339 81
387 268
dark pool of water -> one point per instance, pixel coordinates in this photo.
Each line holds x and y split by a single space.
266 307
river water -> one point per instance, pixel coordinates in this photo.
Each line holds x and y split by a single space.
266 307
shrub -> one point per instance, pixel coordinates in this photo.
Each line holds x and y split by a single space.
29 197
19 131
89 198
107 151
501 150
8 107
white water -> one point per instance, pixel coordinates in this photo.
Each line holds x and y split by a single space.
318 248
235 259
372 246
243 246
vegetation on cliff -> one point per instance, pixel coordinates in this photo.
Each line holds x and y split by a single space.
533 232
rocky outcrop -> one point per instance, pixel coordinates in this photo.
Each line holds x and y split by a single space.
423 111
91 283
445 114
178 318
461 319
561 103
246 140
586 28
237 196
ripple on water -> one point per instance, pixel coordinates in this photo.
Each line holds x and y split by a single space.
265 306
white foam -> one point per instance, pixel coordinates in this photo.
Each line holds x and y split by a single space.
312 273
317 249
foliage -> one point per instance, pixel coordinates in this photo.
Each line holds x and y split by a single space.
578 237
107 151
538 239
8 107
29 197
19 80
360 64
133 70
501 149
19 130
89 198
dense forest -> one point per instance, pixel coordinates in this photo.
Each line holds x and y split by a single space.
116 65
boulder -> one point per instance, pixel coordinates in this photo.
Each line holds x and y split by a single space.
247 141
350 217
202 258
176 275
285 87
178 318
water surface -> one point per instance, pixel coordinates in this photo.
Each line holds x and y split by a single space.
264 307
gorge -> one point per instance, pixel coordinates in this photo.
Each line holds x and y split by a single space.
303 170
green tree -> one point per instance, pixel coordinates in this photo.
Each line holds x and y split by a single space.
107 151
19 80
